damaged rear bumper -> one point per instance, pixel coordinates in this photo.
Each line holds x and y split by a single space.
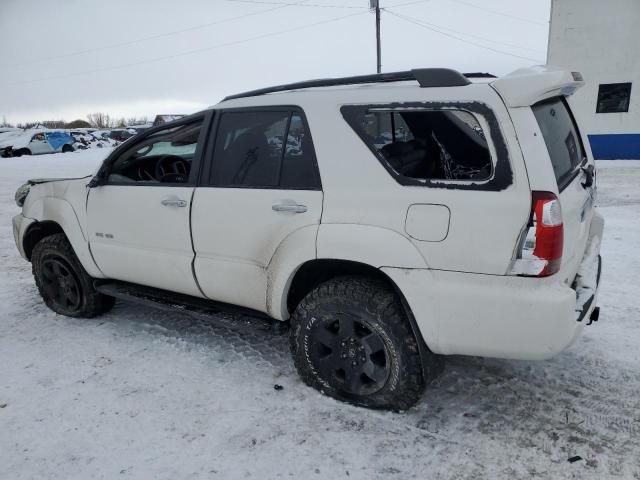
586 297
587 280
503 316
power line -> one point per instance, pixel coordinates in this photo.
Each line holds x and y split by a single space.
473 36
319 5
153 37
421 24
189 52
408 3
496 12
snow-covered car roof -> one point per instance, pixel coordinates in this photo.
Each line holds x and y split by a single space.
6 138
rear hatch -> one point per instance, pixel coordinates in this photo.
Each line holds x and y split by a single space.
574 171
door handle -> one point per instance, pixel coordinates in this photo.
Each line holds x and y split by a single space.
173 202
288 207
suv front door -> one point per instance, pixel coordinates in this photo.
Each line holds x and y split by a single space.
260 184
139 222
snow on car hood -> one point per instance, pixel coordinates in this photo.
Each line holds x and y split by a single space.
20 140
7 139
38 181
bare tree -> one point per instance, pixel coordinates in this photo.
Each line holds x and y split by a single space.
137 120
77 124
53 123
5 123
100 120
27 125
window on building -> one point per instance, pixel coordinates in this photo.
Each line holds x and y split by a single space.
426 144
613 97
264 149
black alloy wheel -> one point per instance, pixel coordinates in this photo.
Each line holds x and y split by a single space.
351 339
63 283
60 283
349 355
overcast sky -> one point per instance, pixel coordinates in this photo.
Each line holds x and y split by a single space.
64 59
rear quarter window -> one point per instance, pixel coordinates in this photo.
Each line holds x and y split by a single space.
561 137
425 145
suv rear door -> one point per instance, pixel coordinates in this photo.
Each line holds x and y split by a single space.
574 172
260 185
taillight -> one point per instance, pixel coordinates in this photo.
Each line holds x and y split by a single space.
539 251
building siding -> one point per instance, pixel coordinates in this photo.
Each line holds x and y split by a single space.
600 39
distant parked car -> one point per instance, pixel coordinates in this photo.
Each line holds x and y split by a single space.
90 138
36 142
166 118
139 128
121 134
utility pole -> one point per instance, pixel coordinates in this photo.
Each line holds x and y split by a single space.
375 5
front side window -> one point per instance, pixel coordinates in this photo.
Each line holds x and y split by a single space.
425 144
164 157
263 149
613 98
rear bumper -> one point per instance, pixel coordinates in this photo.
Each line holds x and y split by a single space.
502 316
590 296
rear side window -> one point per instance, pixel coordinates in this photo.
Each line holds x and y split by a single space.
264 149
426 144
561 137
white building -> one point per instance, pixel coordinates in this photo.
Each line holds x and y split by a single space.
601 39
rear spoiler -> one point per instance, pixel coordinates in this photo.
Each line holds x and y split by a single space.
526 86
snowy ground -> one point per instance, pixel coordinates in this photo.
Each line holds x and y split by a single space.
141 393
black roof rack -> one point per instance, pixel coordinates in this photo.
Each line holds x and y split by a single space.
479 75
426 77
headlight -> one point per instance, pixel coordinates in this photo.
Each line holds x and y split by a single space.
21 194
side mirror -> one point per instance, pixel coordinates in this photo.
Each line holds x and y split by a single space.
96 181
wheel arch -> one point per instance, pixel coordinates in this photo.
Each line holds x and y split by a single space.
23 151
36 232
314 272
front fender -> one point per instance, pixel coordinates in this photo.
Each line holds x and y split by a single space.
60 211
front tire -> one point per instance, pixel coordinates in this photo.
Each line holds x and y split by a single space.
21 152
62 281
67 148
351 340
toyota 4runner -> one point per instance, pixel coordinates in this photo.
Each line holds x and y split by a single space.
390 218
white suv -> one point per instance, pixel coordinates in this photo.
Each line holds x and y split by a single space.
391 218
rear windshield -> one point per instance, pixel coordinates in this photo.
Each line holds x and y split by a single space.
561 136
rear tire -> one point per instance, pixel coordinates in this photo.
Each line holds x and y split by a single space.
351 339
62 281
67 148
